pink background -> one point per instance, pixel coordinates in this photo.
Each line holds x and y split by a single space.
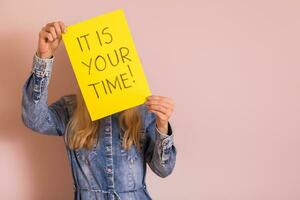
232 68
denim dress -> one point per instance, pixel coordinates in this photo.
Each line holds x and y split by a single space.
107 171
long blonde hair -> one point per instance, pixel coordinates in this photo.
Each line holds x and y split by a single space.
82 132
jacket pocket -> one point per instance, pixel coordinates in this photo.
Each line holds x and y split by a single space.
85 155
132 153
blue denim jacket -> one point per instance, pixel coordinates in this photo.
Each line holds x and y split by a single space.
107 171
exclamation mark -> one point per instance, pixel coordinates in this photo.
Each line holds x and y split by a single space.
130 72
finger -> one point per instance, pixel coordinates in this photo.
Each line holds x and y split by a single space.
159 102
158 97
167 104
51 29
164 105
160 108
160 115
46 36
57 29
49 37
62 26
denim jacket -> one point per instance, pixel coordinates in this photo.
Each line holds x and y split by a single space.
107 171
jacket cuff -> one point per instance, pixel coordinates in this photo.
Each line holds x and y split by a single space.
42 67
165 142
164 135
167 139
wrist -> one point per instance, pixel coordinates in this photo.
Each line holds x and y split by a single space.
163 128
44 55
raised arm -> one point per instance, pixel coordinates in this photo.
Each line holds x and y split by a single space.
160 153
36 114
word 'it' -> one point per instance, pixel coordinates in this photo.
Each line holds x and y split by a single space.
103 37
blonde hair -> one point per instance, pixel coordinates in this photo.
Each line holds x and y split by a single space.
82 132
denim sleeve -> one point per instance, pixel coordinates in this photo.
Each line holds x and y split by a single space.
160 153
36 114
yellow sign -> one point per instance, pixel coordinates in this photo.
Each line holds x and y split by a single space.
106 65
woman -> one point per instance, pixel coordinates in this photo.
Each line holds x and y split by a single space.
108 157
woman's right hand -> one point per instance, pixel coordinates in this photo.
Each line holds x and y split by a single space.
49 39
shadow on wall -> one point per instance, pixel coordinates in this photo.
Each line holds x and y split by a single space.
39 168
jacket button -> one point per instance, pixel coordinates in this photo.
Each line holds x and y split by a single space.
107 129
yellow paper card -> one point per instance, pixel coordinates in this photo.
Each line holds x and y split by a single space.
106 65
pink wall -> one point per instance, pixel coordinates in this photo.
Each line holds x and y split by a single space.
232 68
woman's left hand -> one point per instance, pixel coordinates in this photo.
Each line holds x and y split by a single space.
162 107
